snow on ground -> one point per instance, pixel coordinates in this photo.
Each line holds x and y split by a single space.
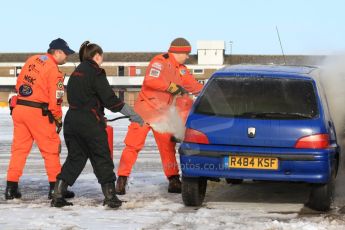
251 205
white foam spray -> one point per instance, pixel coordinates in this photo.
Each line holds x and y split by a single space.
170 122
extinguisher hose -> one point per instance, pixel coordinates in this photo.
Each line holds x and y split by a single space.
117 118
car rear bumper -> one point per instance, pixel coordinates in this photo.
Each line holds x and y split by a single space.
311 166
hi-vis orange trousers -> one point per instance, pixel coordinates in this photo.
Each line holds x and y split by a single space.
135 141
30 126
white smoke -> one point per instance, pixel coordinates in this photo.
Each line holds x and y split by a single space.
333 81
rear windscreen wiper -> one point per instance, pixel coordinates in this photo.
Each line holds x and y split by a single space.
275 114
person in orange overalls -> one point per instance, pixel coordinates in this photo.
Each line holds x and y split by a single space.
165 78
37 115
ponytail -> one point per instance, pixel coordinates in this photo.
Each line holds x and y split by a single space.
89 50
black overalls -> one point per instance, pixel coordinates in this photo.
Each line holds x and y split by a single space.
88 92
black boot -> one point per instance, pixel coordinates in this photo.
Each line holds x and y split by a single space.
68 194
12 191
174 184
121 185
58 199
110 198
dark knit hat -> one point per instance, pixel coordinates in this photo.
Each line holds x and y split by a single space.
180 45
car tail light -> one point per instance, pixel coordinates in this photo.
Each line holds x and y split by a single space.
319 141
195 136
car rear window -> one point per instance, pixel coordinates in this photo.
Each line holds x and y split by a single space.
259 97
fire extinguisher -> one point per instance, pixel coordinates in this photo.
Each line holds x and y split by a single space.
184 105
110 133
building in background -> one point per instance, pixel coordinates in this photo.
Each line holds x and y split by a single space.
126 71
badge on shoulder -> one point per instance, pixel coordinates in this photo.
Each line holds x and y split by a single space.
183 72
25 90
154 72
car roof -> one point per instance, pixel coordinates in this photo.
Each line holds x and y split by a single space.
285 70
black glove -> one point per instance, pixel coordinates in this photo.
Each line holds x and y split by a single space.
133 116
58 123
176 89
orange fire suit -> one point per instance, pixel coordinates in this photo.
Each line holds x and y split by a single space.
152 102
40 81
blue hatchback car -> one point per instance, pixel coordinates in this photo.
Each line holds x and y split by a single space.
261 122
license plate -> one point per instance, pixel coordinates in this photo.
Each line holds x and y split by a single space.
245 162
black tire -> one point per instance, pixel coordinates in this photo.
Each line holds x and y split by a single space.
233 181
193 191
321 195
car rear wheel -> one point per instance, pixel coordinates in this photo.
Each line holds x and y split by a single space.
233 181
193 191
321 195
